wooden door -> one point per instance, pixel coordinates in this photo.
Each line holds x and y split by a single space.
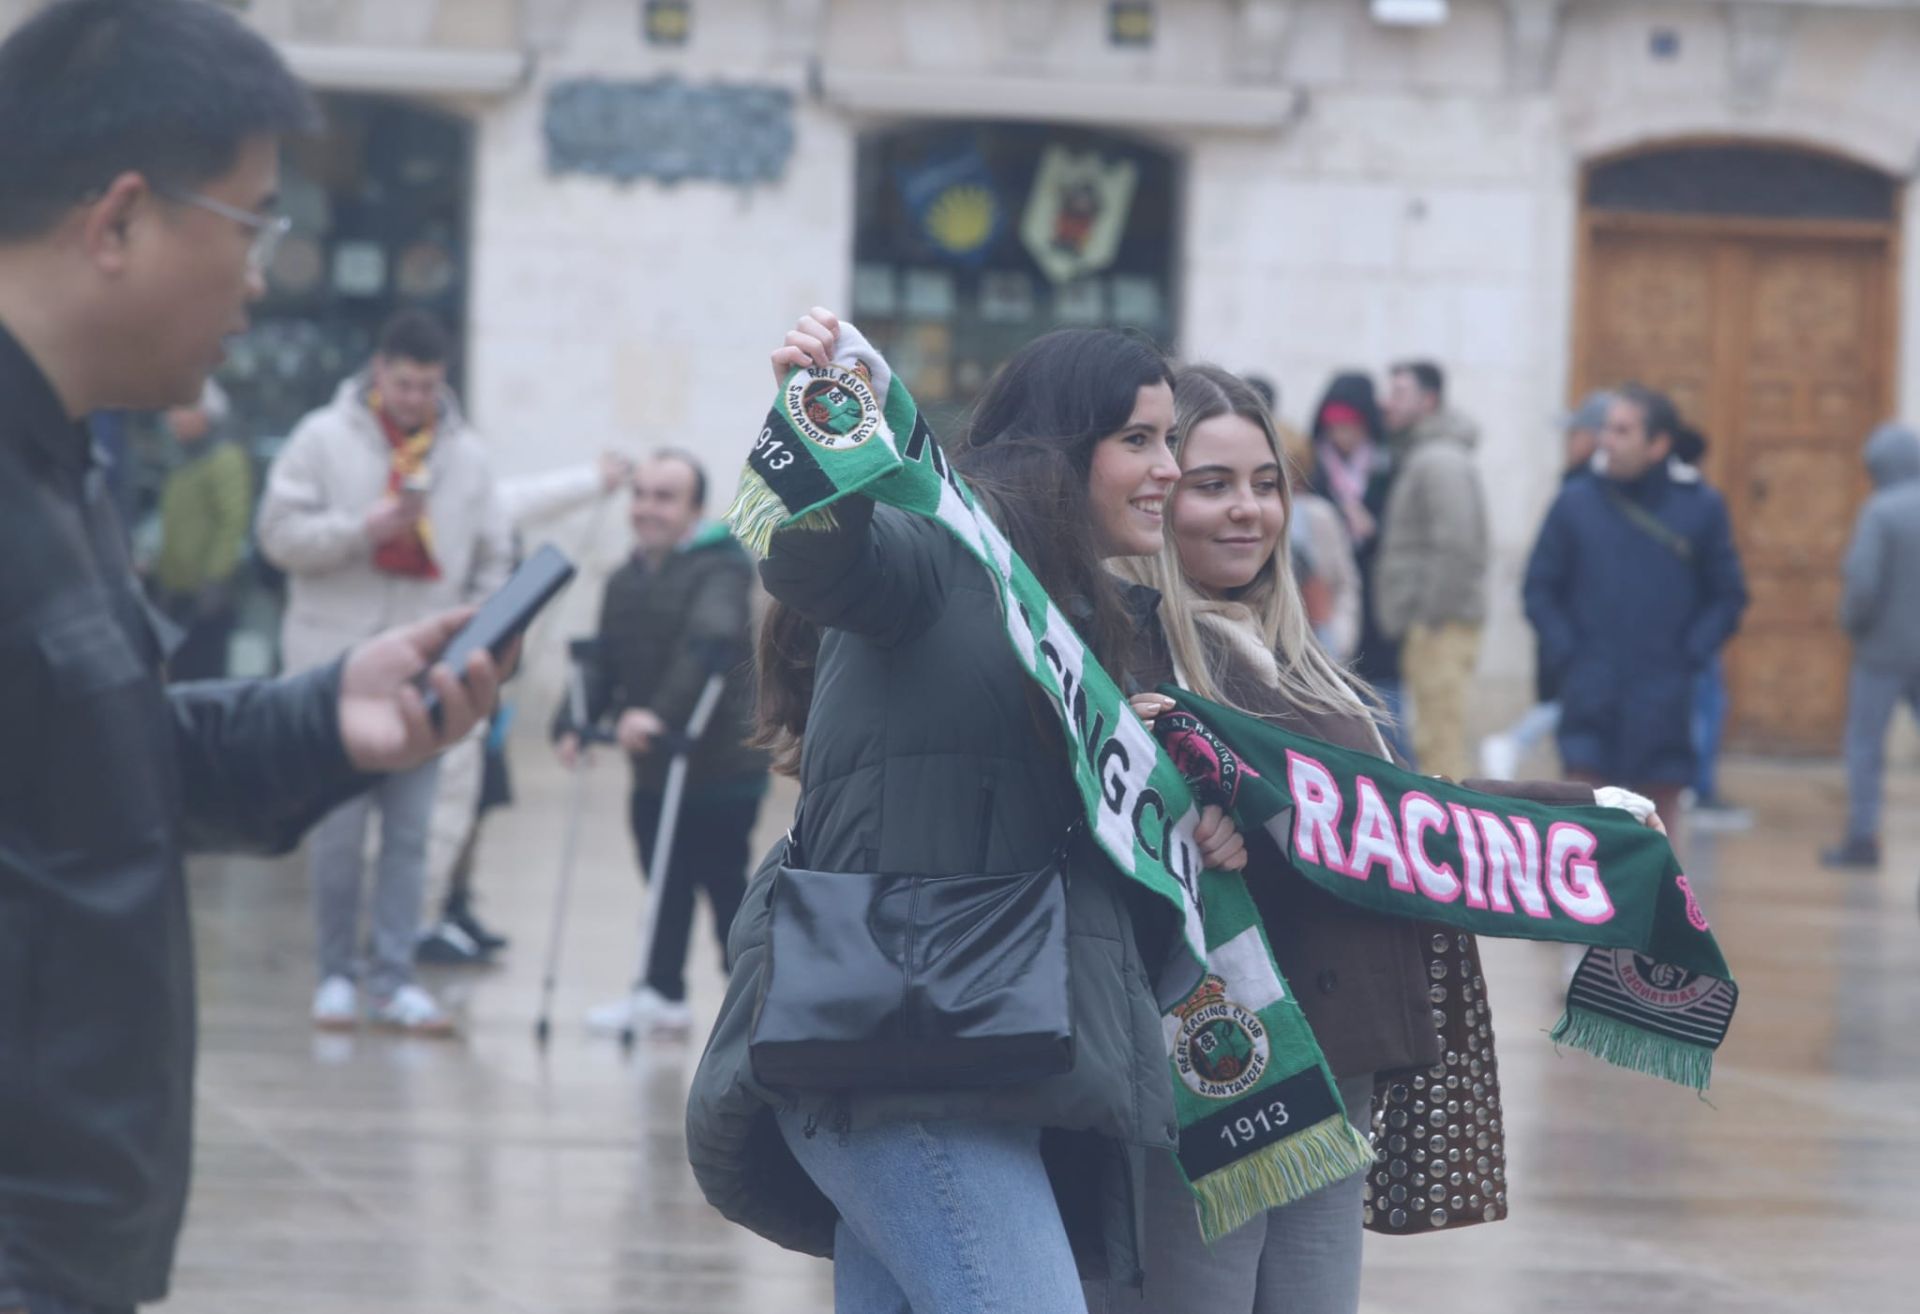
1775 338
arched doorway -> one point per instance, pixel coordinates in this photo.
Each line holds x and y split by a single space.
972 239
1755 284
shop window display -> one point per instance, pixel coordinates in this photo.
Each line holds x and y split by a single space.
973 239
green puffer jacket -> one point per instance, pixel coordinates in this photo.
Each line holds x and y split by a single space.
205 508
924 755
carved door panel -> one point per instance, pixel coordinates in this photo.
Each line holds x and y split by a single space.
1806 382
1777 347
1654 318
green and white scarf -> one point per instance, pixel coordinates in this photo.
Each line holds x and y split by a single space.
1260 1122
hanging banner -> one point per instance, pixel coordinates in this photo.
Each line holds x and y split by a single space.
1077 212
954 203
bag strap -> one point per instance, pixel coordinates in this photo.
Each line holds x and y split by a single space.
1651 525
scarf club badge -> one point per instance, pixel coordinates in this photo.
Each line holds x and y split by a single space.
1222 1049
833 407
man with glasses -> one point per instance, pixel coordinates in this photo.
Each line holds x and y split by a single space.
139 153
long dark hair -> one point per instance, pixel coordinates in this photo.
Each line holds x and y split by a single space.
1026 454
1029 449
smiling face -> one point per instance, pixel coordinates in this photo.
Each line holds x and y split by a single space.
1229 510
665 505
1132 473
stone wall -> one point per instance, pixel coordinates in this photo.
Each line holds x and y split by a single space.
1419 197
1352 193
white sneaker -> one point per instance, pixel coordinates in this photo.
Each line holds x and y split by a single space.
1499 757
414 1011
646 1011
336 1005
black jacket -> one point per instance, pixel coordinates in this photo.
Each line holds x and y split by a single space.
106 775
1632 589
659 629
925 753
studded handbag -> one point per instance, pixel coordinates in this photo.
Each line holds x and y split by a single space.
1440 1158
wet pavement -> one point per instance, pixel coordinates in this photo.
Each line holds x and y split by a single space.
381 1175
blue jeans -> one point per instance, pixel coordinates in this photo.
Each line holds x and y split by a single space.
1537 724
1709 717
939 1218
1394 695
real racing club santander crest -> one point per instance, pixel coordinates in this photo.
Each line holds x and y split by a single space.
832 406
1221 1049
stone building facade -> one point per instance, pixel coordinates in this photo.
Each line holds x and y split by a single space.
657 188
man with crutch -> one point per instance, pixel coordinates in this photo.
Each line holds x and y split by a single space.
685 594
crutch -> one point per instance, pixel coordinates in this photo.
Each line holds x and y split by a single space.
717 657
579 653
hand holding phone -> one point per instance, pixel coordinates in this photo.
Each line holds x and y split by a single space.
505 616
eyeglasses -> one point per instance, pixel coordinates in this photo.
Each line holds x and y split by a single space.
268 229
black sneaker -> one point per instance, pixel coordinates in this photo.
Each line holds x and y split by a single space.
447 945
1857 854
476 931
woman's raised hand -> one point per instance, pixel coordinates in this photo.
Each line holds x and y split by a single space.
810 342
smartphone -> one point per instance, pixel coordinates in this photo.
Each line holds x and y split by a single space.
505 615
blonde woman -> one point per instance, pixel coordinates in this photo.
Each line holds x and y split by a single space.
1238 633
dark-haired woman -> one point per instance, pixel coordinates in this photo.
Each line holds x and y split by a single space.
1353 471
924 748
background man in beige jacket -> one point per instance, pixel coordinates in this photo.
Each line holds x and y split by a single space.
1431 580
381 508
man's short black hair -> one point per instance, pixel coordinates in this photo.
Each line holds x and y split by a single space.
1269 395
1689 444
1430 377
1657 411
692 463
417 336
91 89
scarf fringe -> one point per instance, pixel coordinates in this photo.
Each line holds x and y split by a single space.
1327 1152
758 513
1634 1049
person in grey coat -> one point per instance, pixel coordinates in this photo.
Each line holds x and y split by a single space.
926 749
1880 610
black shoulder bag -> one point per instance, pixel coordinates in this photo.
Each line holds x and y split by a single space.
914 982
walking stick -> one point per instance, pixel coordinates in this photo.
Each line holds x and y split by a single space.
717 657
579 653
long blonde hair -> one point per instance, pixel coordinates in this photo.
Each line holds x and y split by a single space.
1264 623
